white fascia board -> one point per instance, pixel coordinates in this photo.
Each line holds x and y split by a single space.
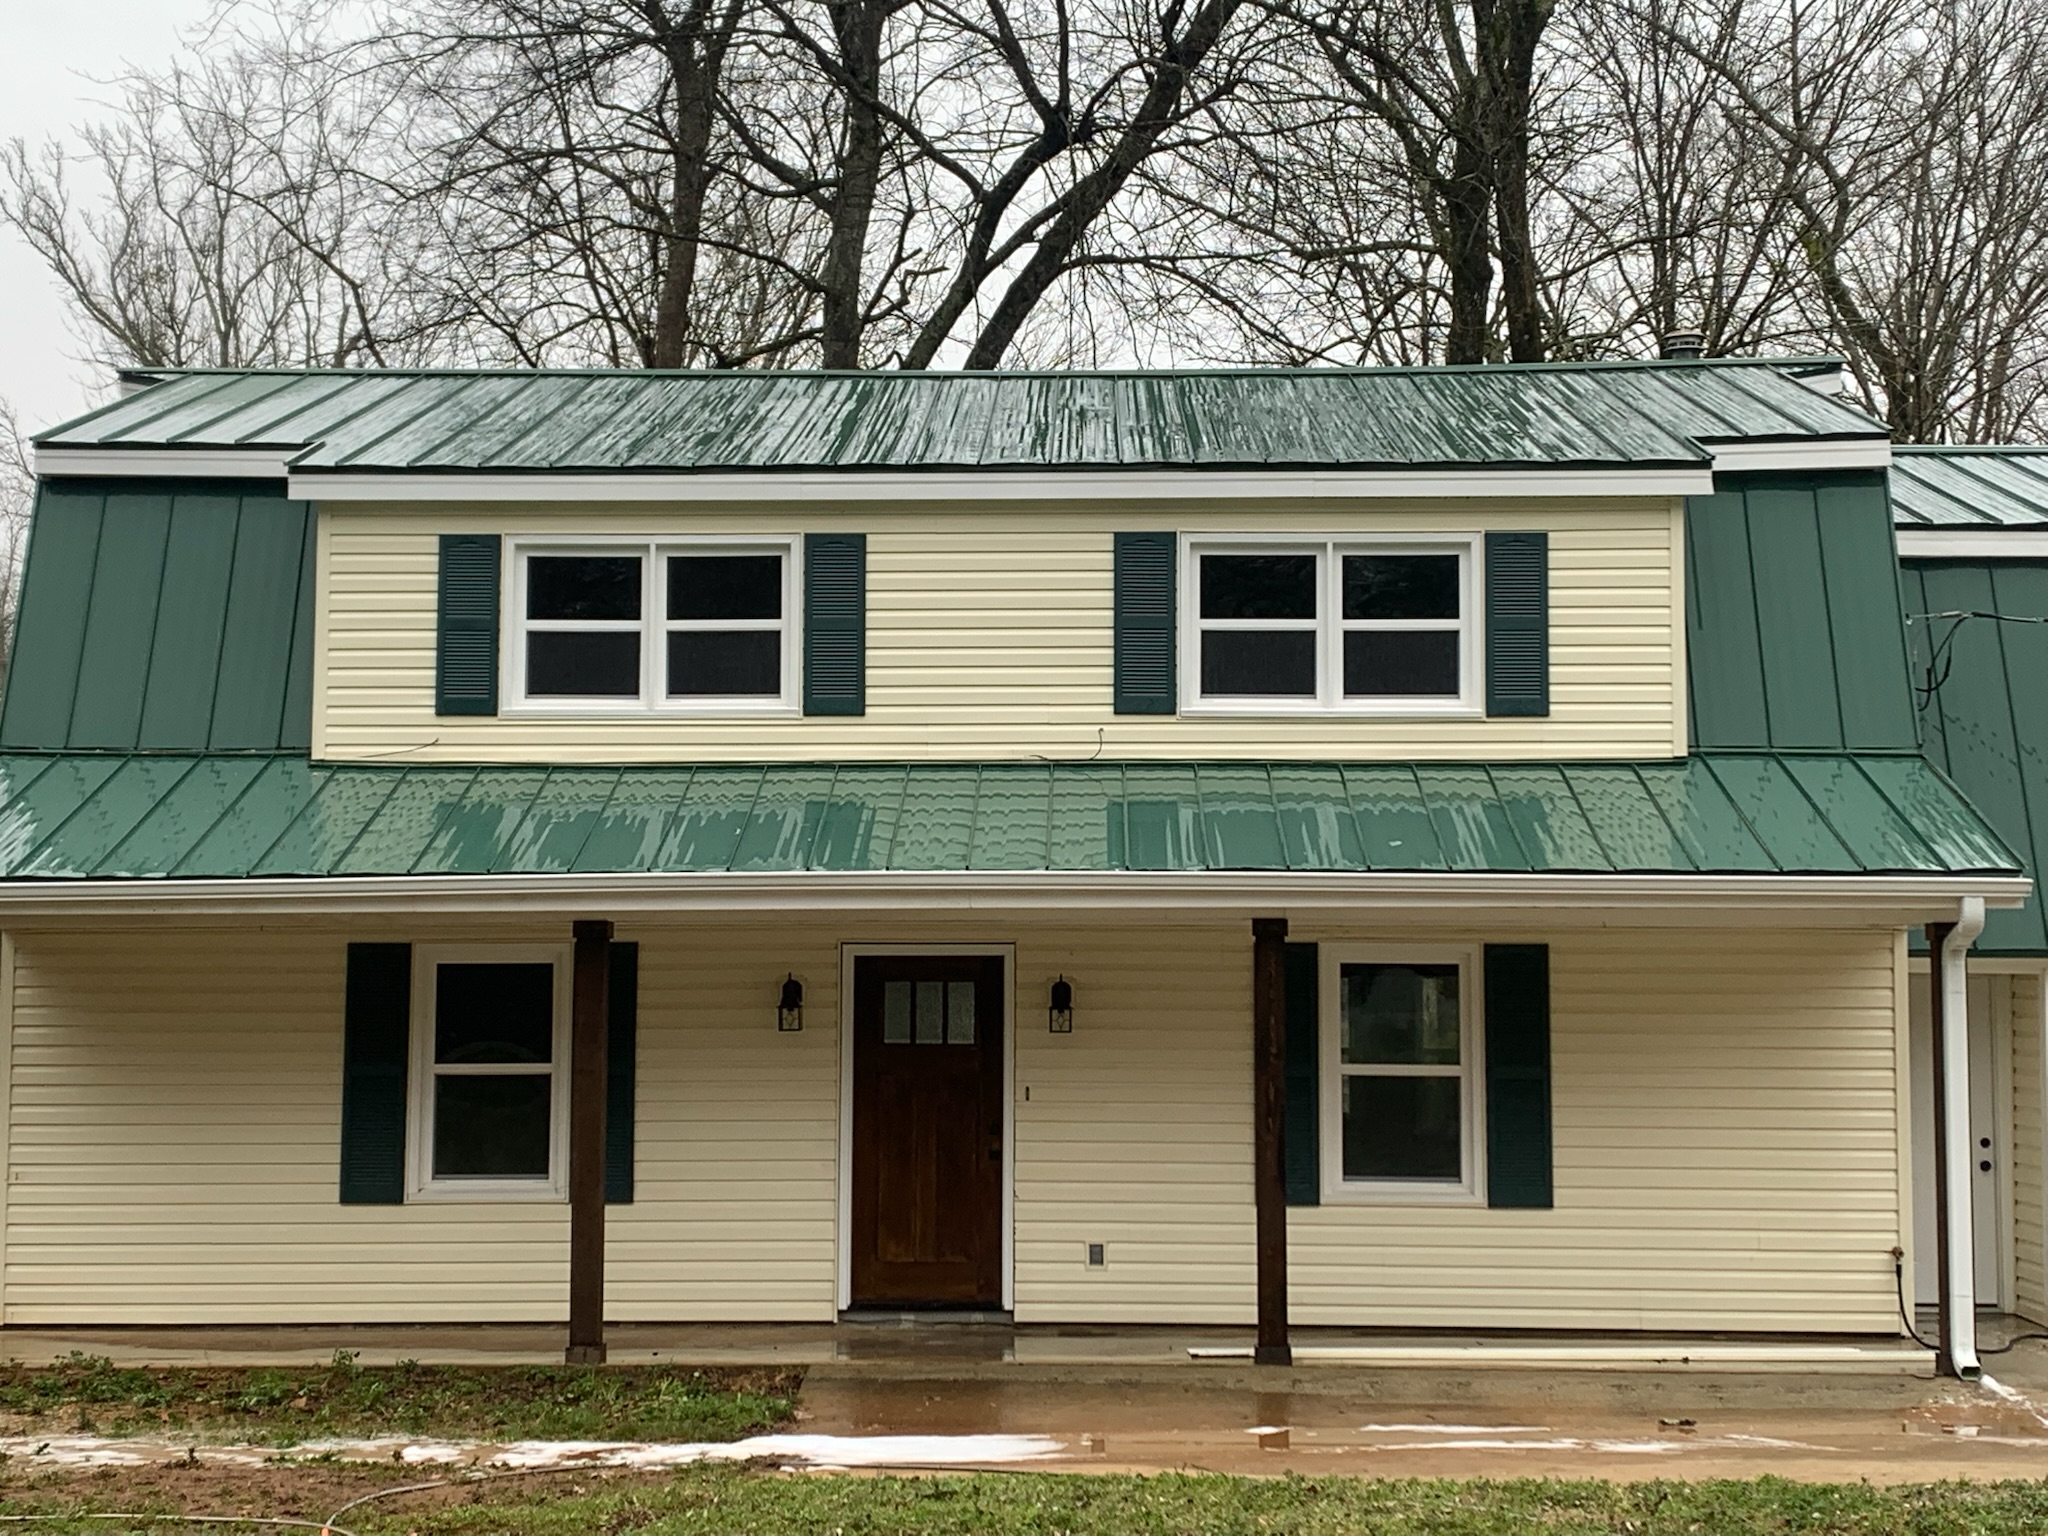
1826 453
1623 897
1974 543
194 463
1003 485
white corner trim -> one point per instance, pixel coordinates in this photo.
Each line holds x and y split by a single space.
1974 543
1011 891
1823 453
984 485
195 463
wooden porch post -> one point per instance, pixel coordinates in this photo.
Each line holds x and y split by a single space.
1269 1088
589 1006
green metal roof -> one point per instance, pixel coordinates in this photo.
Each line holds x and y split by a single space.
74 816
1987 722
164 615
1794 636
1970 488
1633 414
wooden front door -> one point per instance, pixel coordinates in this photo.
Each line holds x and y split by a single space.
927 1131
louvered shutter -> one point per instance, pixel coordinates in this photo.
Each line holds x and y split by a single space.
376 1042
621 1046
1518 623
1144 602
466 627
835 623
1518 1075
1303 1148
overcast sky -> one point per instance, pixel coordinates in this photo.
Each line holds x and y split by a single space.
53 53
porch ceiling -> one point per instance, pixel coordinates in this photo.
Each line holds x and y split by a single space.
71 817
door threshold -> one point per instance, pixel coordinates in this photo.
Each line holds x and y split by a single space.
898 1317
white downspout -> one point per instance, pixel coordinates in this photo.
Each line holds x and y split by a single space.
1954 1046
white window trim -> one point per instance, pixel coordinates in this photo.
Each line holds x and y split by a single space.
420 1183
653 626
1337 1189
1330 625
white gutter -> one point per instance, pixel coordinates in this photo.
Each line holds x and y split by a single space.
982 485
2022 543
195 463
1954 1046
1837 453
1905 898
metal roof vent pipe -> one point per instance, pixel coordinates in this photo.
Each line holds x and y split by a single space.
1682 346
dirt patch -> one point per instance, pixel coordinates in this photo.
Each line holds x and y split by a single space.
293 1489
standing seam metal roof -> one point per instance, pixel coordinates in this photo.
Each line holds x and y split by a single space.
1987 487
1627 414
156 816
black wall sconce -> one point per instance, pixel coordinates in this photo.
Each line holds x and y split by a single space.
1060 1010
789 1012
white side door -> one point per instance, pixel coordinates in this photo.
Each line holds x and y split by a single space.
1987 1148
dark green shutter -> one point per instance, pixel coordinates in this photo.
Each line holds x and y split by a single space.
620 1045
1145 640
466 629
1518 623
376 1034
1518 1075
1304 1107
835 623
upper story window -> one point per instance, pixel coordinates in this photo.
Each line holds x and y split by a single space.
695 627
1380 627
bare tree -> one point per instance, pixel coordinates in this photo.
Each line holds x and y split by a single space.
233 228
17 497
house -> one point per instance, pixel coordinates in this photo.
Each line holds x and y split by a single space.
1973 541
1423 849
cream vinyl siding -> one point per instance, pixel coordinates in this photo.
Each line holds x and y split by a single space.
1728 1149
1728 1154
990 633
175 1119
2030 1282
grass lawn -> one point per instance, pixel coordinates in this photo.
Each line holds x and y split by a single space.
90 1395
730 1502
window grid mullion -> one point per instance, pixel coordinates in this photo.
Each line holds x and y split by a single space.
493 1068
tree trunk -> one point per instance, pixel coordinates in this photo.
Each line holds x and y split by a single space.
858 29
1508 32
1468 253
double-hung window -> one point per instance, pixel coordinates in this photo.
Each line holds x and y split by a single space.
1369 627
490 1082
662 626
1400 1074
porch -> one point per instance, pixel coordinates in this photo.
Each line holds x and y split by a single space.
947 1347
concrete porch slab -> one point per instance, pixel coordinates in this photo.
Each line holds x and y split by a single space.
911 1347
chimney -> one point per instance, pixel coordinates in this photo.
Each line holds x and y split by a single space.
1681 346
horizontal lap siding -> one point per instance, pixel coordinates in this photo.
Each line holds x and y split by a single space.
1727 1154
2030 1288
175 1120
989 636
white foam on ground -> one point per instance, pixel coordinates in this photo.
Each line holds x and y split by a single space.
2014 1396
801 1450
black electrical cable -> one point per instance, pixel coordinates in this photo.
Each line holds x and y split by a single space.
1899 1281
